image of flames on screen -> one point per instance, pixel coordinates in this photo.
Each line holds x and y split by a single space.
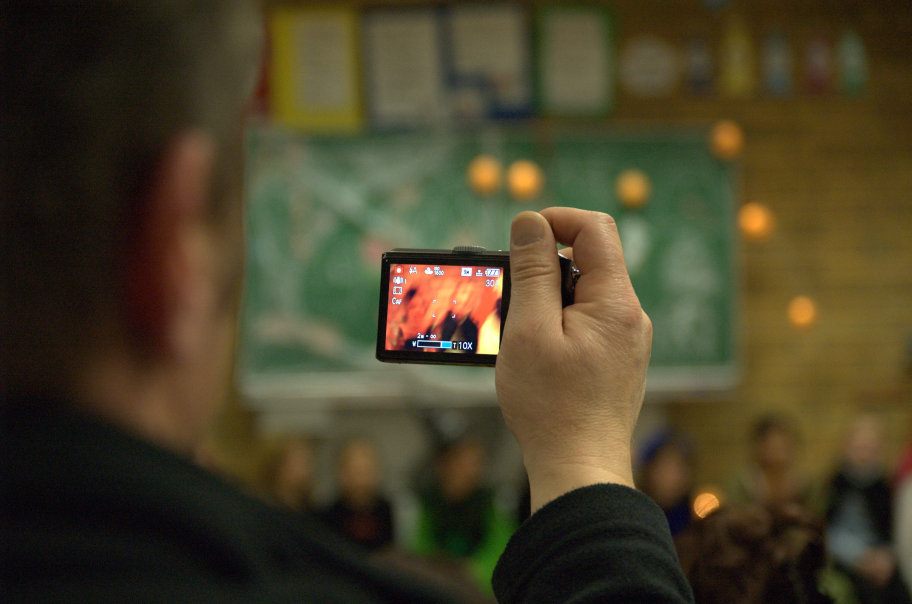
444 308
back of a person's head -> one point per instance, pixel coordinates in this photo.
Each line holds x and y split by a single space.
94 92
754 555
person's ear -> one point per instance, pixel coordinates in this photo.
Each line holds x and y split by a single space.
169 254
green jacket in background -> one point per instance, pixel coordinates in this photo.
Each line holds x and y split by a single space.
473 530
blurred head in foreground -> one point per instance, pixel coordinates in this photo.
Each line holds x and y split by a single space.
121 215
755 555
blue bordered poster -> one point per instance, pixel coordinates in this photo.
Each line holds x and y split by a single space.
489 60
403 71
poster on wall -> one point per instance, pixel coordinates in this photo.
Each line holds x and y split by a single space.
853 63
314 66
403 73
818 65
736 65
650 67
489 60
576 61
777 64
700 66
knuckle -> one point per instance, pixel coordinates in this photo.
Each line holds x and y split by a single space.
606 221
630 318
647 324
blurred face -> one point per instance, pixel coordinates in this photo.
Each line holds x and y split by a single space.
864 444
293 476
359 472
460 470
668 477
775 449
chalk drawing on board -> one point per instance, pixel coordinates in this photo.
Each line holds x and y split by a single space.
636 237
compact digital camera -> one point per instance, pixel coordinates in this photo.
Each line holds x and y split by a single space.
448 306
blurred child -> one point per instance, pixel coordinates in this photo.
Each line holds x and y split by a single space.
457 516
902 521
360 512
666 475
859 517
773 477
287 473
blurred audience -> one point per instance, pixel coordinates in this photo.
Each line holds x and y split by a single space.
754 555
666 475
859 517
458 517
902 521
761 546
360 512
288 472
773 477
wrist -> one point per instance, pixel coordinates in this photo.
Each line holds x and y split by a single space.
549 481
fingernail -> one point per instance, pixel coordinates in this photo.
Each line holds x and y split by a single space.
526 230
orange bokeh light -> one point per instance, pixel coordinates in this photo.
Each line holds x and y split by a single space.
802 312
525 179
484 174
705 503
633 188
726 139
756 221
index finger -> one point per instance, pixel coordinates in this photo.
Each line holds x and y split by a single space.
594 238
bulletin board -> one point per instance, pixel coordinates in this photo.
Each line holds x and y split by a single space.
320 211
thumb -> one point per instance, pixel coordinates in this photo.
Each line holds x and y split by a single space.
535 298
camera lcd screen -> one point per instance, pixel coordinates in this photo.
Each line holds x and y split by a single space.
440 312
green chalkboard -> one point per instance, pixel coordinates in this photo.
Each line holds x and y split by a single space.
322 210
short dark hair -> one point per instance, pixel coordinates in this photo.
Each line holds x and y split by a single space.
94 92
771 423
752 554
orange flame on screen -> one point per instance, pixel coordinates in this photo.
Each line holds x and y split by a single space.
430 301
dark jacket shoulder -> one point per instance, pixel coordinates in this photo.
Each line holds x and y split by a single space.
91 513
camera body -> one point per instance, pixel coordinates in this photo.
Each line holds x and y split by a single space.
448 306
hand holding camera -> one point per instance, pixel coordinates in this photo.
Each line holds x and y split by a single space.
571 356
571 380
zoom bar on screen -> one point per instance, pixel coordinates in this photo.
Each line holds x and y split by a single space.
433 344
